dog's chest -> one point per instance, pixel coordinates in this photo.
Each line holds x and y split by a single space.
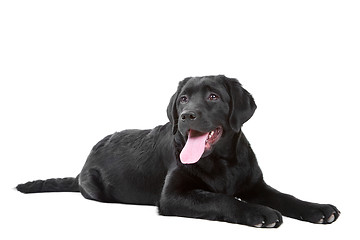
229 180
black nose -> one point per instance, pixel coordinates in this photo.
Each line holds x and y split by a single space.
188 115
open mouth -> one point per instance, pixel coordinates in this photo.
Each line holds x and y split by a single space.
197 143
213 137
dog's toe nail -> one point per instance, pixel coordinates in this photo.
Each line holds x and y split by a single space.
271 225
331 218
321 220
260 224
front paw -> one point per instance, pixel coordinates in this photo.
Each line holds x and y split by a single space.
320 213
263 217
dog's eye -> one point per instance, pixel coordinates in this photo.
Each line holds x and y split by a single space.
213 97
184 99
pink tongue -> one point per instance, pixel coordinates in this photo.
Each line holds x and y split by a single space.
194 148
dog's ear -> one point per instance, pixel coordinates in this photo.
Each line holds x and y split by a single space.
242 104
172 112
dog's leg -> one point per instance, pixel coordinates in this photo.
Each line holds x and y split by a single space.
290 206
180 197
91 186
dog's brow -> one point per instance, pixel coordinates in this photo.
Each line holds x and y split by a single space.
190 90
212 89
215 90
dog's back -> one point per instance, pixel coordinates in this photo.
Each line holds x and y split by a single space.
128 166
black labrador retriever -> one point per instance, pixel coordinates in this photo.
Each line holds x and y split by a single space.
199 165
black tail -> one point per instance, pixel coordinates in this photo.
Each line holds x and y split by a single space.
50 185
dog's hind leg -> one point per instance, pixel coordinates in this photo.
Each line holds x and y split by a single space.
92 186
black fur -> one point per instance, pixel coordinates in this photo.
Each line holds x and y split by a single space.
50 185
143 166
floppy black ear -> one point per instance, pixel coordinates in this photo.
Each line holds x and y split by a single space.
172 107
242 104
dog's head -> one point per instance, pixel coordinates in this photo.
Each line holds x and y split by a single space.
204 109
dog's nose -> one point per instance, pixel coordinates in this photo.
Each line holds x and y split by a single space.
188 115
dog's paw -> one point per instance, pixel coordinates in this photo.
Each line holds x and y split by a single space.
320 213
264 217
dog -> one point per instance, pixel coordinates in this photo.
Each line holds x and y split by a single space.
198 165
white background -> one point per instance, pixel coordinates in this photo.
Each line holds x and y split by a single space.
72 72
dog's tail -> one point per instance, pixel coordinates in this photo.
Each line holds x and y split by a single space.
50 185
